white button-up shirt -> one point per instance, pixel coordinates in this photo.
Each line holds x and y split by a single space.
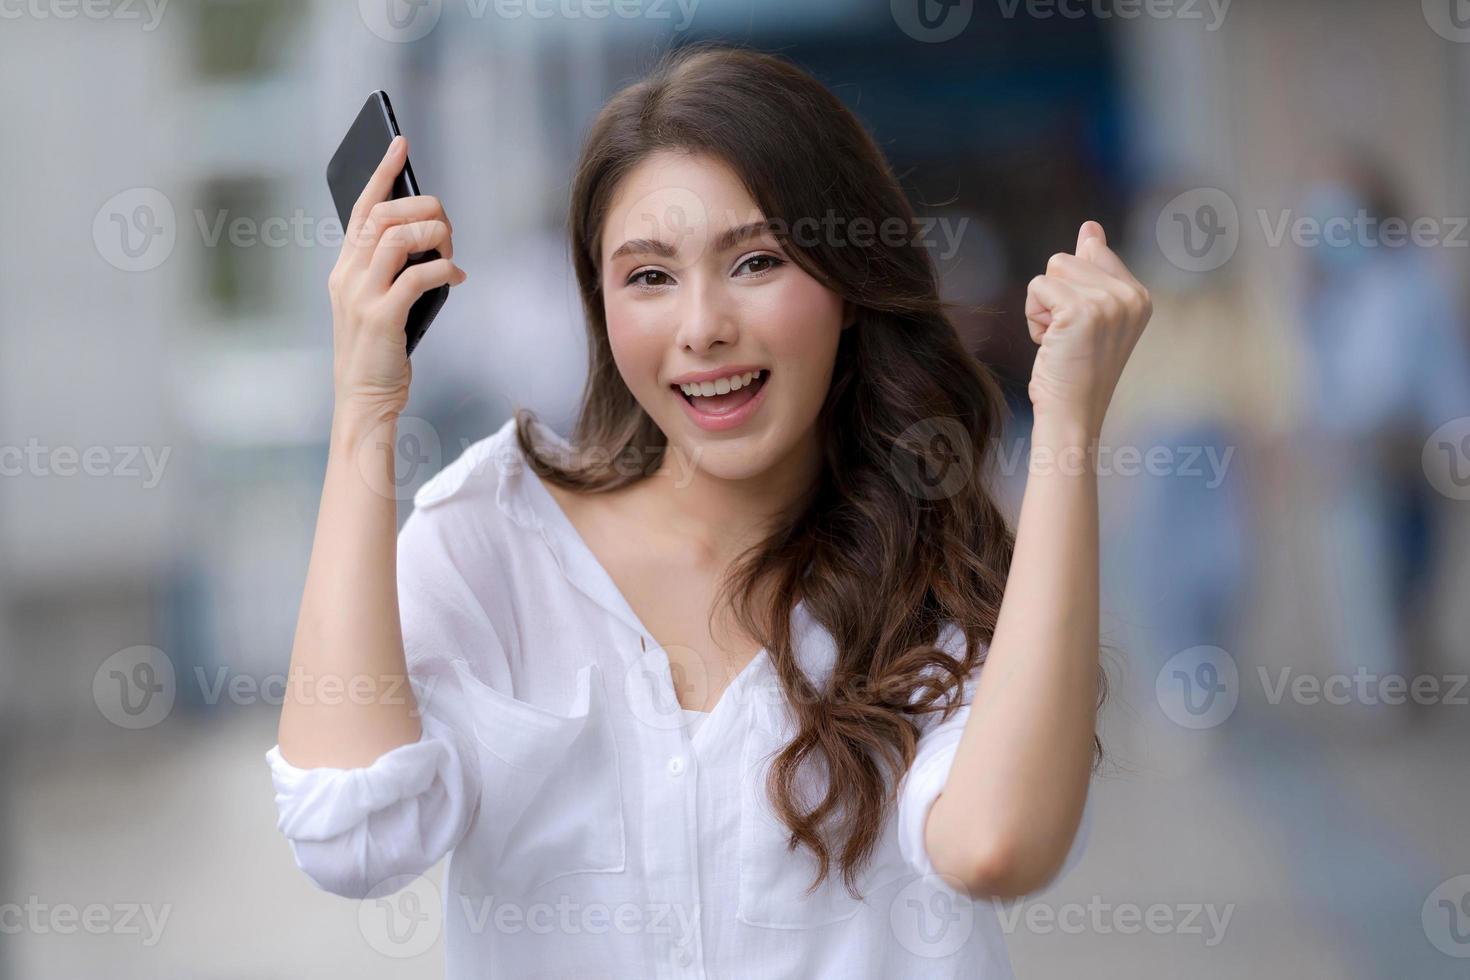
597 829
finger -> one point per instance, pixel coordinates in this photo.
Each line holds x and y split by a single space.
386 214
1036 323
419 207
1090 230
399 241
1072 268
1099 254
380 184
417 279
1046 300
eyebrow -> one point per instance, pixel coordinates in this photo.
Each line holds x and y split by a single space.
725 240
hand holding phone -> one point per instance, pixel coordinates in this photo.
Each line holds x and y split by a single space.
391 276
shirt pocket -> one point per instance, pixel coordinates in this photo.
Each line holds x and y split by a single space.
773 880
552 797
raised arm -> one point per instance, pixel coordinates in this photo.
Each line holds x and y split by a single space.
1006 817
347 702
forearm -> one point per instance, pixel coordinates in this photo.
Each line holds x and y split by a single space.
1016 790
347 699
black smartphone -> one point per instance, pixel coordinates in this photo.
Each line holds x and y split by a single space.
348 171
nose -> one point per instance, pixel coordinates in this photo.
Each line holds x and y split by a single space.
707 316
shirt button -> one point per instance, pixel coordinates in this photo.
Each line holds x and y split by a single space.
676 765
682 955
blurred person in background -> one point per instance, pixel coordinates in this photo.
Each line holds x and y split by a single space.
1387 365
1188 542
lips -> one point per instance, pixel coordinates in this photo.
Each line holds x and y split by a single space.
718 412
720 404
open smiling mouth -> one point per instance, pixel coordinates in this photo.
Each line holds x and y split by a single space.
717 410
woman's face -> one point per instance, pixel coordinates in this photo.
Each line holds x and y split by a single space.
685 295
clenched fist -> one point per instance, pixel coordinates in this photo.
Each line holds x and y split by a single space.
1086 312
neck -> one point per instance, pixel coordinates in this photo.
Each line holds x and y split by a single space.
717 518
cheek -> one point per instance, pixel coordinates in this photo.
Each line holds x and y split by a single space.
637 347
801 322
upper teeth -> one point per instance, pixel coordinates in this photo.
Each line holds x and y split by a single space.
721 386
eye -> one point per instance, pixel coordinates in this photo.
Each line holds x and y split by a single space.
637 279
772 261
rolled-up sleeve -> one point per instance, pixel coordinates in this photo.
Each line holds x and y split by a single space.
925 780
352 831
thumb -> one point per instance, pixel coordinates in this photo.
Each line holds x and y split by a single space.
1090 229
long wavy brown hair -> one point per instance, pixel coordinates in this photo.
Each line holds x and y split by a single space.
908 430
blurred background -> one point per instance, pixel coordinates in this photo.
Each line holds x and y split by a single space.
1286 487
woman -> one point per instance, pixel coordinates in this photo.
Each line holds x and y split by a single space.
698 691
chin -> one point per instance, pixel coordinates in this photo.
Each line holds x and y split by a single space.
738 457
